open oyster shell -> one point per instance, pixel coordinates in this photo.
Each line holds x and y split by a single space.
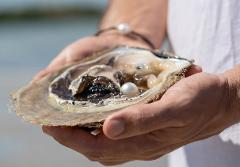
84 94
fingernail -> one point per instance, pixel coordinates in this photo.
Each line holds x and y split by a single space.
117 127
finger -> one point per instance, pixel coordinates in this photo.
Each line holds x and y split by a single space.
143 147
77 51
132 148
95 148
194 69
72 137
120 149
153 151
71 54
138 120
104 149
169 136
40 75
88 46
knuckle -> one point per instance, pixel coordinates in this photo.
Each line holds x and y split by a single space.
41 74
95 156
68 56
43 71
145 121
138 119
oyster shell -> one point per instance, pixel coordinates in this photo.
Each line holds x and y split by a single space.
84 94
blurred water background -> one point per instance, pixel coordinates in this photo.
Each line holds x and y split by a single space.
28 41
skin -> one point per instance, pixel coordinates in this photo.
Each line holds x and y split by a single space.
195 108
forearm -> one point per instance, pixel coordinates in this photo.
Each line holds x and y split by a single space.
233 79
145 17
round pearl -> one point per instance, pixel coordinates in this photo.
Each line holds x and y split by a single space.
123 29
129 89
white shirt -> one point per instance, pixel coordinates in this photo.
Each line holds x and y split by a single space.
207 31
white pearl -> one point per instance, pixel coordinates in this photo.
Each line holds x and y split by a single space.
123 29
129 89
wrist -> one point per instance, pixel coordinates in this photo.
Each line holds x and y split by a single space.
140 17
125 30
146 35
116 39
232 82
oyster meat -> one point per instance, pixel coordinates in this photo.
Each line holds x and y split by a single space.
84 94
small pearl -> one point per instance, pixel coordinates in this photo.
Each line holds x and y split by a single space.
161 76
129 89
151 81
123 29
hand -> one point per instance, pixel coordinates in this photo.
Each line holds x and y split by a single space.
85 47
195 108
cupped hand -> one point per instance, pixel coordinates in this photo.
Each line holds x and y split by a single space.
195 108
85 47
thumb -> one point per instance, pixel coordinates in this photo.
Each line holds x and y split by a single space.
136 120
